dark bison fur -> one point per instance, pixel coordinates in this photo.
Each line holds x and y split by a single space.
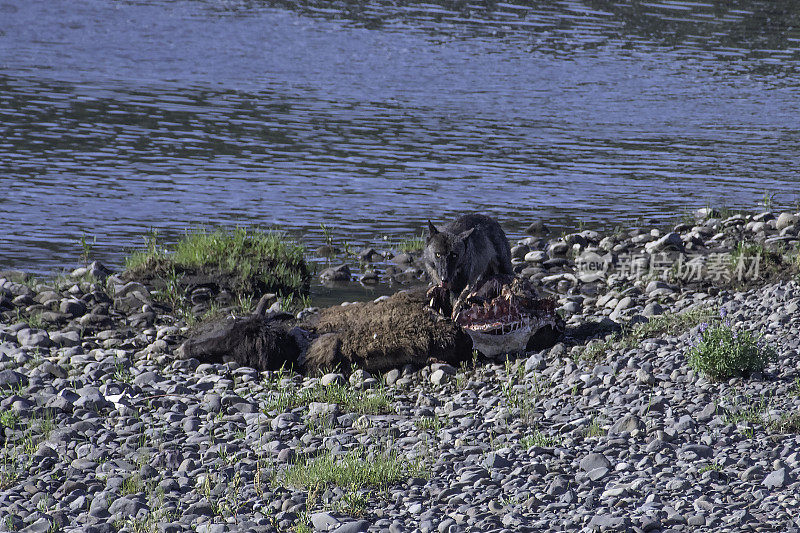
258 341
376 336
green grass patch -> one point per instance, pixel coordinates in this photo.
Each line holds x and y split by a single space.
520 392
595 429
16 456
751 410
672 323
8 419
370 402
353 503
122 371
303 527
132 485
431 423
412 244
355 469
35 321
657 326
751 262
722 352
537 438
715 467
240 260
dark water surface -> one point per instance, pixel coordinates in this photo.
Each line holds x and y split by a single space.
117 116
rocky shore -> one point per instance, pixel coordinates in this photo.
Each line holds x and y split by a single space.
610 430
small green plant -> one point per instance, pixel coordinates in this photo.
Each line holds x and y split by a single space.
715 467
461 379
537 438
223 453
44 424
723 352
122 372
246 303
43 505
37 358
86 248
172 287
375 401
597 349
671 323
431 423
35 321
750 410
8 419
205 486
303 526
230 503
149 523
319 425
412 244
264 476
595 429
353 503
357 468
753 261
518 395
767 200
666 324
295 302
348 250
326 234
132 485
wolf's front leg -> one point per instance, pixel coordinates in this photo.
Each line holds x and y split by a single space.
439 299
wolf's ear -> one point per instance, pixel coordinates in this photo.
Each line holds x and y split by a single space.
463 236
431 230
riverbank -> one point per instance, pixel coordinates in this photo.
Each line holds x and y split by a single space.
611 429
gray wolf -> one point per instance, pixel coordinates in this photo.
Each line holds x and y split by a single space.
462 252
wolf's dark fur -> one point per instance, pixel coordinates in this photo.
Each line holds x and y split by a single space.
464 251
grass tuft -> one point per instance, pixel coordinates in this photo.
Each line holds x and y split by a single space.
657 326
246 261
369 402
431 423
595 429
715 467
412 244
354 469
723 352
537 438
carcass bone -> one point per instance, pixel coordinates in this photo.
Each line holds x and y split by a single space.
503 313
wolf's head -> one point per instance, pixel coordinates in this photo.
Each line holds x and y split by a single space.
445 255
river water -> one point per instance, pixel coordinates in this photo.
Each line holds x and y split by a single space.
371 117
